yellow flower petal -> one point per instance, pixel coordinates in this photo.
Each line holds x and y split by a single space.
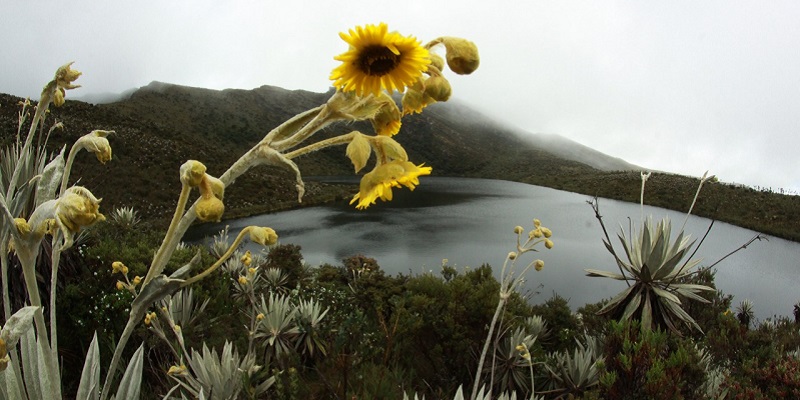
379 59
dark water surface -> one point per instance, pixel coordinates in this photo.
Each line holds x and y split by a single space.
470 222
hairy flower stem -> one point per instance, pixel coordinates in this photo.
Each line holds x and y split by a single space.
28 260
504 294
73 151
55 259
213 267
4 238
41 109
160 259
321 120
334 141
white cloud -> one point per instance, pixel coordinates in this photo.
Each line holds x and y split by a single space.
679 86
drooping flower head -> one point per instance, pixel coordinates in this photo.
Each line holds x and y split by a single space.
378 183
379 59
76 208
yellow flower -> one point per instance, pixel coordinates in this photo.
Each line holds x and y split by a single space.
242 280
379 59
260 316
518 229
120 285
247 258
263 235
209 209
76 208
137 280
387 121
192 173
462 55
177 370
149 317
379 182
546 232
118 266
96 142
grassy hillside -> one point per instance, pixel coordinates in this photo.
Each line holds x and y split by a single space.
160 126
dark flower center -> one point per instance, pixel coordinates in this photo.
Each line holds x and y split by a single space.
377 60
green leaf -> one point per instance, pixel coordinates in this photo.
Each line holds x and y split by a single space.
50 182
11 383
604 274
666 294
18 324
131 383
359 151
691 295
90 377
617 300
647 313
633 305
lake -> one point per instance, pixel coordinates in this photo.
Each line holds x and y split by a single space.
470 222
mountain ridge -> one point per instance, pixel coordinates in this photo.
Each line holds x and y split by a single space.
159 126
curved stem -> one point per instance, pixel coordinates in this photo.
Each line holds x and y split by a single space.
68 166
334 141
28 261
291 125
126 334
319 121
159 260
41 109
55 259
221 260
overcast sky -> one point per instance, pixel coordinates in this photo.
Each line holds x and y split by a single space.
679 86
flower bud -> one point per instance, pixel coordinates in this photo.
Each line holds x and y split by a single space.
518 229
177 370
263 236
387 120
260 316
538 265
96 142
22 226
3 348
438 88
209 209
546 232
512 255
76 208
117 266
247 258
65 75
58 97
537 223
548 243
437 61
137 280
242 280
192 173
462 55
120 285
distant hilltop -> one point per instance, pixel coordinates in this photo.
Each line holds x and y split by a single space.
161 125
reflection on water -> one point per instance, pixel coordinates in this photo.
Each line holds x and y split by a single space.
470 222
